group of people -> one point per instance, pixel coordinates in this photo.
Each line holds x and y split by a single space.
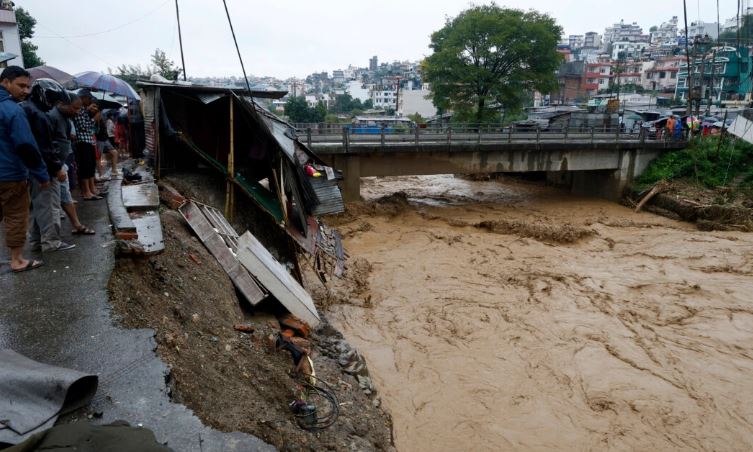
50 140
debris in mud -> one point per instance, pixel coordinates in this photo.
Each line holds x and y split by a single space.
542 231
232 380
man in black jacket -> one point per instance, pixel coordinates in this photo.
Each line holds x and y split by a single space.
44 230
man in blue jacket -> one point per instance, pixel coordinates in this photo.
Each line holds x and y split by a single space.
19 158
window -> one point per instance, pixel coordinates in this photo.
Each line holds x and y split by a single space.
662 74
673 75
590 80
2 42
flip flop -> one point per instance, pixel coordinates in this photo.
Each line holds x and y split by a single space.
30 266
94 198
83 230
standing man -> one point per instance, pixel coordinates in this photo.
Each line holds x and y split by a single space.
19 157
86 153
44 231
61 139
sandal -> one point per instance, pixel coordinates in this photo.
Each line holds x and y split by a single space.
94 198
30 266
83 230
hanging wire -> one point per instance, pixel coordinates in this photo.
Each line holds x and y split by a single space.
110 30
243 68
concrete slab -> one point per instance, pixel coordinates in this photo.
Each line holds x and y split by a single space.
275 278
140 197
149 229
60 314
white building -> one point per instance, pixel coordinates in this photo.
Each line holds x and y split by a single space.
383 98
665 34
575 41
416 101
625 32
627 49
357 90
592 40
10 41
701 28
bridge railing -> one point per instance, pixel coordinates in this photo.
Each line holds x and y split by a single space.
465 134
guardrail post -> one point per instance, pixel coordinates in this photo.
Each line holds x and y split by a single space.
538 136
479 134
617 134
509 133
449 135
416 132
592 135
308 137
567 129
382 132
346 144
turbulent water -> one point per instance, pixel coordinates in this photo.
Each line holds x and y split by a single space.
505 315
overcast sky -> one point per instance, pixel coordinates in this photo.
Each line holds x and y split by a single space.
285 38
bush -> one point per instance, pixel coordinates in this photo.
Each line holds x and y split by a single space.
704 162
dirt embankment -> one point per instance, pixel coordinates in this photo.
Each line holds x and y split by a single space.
235 381
720 209
634 336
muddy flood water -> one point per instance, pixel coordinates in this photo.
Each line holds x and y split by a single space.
505 315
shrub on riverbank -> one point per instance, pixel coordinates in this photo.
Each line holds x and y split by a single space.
706 162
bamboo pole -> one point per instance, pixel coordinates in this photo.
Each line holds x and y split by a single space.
230 190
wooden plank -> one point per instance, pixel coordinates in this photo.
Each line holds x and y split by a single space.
121 222
140 197
149 229
275 278
219 249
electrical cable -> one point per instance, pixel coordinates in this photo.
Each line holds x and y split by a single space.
323 390
243 68
110 30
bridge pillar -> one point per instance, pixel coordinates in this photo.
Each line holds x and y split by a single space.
351 186
611 184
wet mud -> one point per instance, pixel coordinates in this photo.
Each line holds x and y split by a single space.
507 315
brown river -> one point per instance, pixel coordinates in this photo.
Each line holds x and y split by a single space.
505 315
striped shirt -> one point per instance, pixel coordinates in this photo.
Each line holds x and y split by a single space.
84 127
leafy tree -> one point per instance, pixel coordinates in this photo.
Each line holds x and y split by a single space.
297 109
488 58
318 113
26 24
368 104
164 66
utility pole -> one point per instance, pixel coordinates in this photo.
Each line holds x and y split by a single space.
180 40
687 52
397 98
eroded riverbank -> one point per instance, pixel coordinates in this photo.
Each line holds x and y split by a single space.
633 333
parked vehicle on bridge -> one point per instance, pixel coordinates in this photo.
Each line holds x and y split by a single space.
374 125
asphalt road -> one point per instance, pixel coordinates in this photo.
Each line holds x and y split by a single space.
60 314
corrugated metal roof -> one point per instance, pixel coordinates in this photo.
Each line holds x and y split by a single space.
262 94
329 196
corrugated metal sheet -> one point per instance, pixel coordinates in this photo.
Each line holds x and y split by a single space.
282 134
208 98
330 200
148 102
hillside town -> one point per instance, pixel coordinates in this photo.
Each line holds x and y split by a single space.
645 69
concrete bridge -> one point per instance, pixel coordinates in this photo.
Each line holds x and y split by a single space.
593 161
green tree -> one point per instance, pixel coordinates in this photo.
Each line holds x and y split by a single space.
164 66
297 109
488 58
318 113
26 24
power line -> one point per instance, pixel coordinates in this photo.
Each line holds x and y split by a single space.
243 68
110 30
